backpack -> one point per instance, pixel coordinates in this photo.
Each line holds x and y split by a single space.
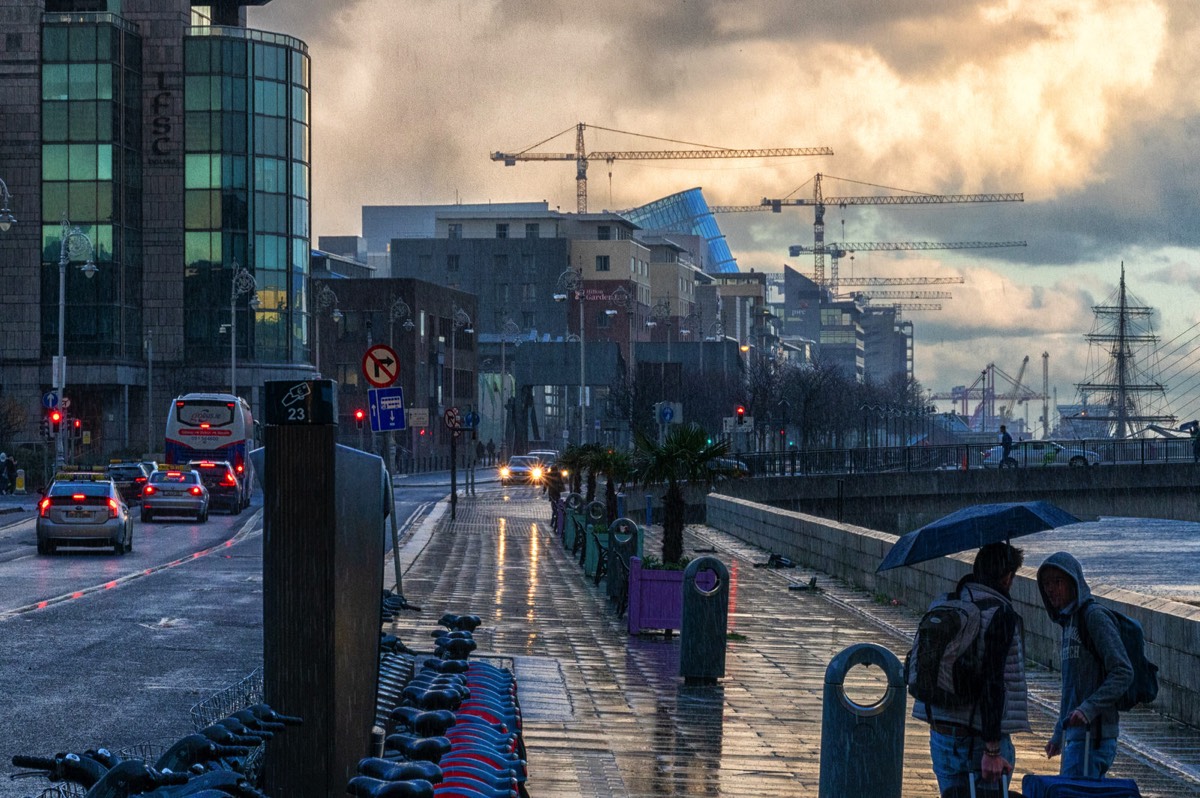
1144 687
944 666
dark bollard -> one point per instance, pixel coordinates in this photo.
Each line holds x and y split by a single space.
862 747
620 505
704 621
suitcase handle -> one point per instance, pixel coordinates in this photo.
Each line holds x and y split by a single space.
1003 784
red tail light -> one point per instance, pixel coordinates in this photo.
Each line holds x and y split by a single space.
149 490
140 480
44 508
240 468
113 507
230 479
195 491
78 497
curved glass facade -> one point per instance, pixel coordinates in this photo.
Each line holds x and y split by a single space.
246 192
687 212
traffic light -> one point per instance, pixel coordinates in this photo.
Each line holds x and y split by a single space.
359 415
77 428
741 414
55 421
46 428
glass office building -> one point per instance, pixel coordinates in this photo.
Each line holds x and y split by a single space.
175 142
687 213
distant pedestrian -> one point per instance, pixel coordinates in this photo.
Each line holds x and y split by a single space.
972 733
480 451
491 451
10 475
1096 670
3 472
1005 444
1196 444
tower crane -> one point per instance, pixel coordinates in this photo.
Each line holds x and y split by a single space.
581 156
837 251
819 202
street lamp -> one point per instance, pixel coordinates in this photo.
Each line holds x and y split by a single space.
509 327
458 320
325 299
571 282
65 254
398 310
7 220
243 283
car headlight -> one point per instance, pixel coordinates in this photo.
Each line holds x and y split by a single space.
536 473
504 471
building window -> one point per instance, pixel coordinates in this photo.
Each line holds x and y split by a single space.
604 232
602 263
451 263
455 230
527 320
528 292
502 231
533 230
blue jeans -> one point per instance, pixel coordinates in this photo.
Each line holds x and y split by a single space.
1100 758
956 757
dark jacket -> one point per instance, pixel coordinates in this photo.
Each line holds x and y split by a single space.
1089 684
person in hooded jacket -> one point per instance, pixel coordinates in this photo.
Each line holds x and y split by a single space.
978 739
1092 678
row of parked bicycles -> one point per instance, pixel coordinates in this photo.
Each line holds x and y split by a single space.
446 725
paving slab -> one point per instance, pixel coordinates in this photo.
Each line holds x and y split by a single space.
606 714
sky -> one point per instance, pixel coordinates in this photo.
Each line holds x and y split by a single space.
1087 107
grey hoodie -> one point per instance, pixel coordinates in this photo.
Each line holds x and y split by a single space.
1089 685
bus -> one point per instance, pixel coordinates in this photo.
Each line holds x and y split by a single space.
211 426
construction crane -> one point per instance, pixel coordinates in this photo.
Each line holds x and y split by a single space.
870 295
819 202
870 281
837 251
581 156
983 389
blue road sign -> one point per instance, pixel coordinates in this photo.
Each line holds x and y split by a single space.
666 413
387 409
49 400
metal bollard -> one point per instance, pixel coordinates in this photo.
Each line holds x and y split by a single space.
620 505
862 747
649 510
704 621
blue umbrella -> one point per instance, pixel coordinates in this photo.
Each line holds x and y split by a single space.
974 527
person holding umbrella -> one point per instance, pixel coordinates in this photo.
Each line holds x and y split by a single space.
971 734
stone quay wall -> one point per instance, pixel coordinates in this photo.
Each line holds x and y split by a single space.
852 553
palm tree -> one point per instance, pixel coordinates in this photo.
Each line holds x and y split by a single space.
684 456
617 467
592 457
572 459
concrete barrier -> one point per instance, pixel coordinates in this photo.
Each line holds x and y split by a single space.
852 553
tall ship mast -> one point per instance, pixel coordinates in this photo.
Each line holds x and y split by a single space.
1122 393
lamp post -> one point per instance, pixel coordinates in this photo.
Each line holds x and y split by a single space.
7 220
149 391
243 283
325 299
571 282
399 310
458 320
65 254
509 327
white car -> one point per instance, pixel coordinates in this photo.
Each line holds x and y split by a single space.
1031 454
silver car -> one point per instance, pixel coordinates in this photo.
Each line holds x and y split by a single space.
83 511
175 492
1030 454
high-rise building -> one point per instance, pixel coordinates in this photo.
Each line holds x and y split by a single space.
169 143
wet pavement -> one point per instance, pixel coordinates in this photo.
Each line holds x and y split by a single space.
606 714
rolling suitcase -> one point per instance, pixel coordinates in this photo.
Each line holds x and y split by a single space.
1033 786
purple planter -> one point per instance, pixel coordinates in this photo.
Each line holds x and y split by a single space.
656 597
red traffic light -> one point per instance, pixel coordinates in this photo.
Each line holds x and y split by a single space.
359 415
56 416
78 423
741 414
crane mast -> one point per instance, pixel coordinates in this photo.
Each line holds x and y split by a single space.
581 156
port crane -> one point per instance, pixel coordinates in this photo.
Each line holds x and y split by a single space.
581 156
840 250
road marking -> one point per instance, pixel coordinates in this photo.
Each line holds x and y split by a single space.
247 531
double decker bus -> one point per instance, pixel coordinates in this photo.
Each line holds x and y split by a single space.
210 426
